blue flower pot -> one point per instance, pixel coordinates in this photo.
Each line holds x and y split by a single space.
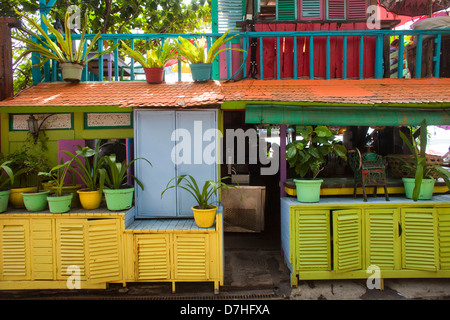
201 71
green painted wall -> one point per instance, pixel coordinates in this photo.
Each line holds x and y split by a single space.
13 140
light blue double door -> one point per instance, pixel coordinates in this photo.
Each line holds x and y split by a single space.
176 143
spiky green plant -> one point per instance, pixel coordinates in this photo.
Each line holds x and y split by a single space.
420 168
156 57
61 50
195 52
201 196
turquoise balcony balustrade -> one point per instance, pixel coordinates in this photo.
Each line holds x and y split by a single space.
269 50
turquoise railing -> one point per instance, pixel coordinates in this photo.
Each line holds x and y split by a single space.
50 71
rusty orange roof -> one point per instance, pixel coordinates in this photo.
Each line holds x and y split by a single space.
189 94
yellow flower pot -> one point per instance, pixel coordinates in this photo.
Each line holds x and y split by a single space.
90 199
204 218
15 197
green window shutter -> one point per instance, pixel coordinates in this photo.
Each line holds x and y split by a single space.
313 240
383 244
286 9
347 240
444 238
311 9
419 239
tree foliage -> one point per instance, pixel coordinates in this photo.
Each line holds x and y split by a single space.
114 16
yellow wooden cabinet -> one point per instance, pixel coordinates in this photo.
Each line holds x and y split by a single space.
174 250
45 251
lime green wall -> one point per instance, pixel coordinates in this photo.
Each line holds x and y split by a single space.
13 140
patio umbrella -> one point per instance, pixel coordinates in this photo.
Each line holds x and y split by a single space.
414 8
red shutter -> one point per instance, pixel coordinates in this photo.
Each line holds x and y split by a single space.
357 9
336 9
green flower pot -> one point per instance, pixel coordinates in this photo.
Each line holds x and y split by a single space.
59 204
201 71
35 201
119 199
4 200
308 190
426 188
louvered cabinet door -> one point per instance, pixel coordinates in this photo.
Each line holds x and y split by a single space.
104 253
419 239
14 250
70 248
383 242
444 237
191 257
347 240
152 257
312 245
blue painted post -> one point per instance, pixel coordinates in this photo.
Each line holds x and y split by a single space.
85 74
295 59
437 55
361 57
419 56
116 63
132 77
100 60
401 40
344 62
328 54
245 46
261 68
311 57
36 72
379 57
54 70
278 57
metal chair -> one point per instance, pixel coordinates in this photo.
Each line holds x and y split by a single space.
369 170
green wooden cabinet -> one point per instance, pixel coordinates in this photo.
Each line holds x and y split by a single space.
339 241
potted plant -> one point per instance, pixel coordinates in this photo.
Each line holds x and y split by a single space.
93 175
59 202
200 62
154 63
118 194
71 58
308 156
421 186
21 162
6 177
204 212
36 200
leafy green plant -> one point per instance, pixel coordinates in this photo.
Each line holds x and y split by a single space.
61 50
308 154
195 52
58 175
202 196
118 172
419 167
156 57
93 175
6 174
